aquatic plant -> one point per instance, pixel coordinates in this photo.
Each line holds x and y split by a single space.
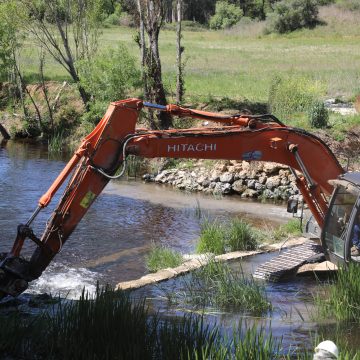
341 298
216 284
212 238
56 143
216 237
162 257
241 236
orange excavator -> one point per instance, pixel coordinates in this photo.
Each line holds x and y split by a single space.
332 195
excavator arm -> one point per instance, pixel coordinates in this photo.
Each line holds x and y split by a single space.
103 153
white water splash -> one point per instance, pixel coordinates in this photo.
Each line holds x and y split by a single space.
59 280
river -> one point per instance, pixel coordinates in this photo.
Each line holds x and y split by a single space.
110 243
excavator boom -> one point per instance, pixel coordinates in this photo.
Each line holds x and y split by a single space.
103 152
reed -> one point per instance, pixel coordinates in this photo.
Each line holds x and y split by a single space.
162 257
341 298
212 237
111 326
56 143
216 284
241 236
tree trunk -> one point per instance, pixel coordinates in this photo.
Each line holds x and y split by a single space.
179 51
153 12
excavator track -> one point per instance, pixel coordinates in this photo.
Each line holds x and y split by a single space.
287 263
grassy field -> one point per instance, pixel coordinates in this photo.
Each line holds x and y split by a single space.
240 63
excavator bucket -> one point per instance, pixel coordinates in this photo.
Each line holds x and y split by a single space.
11 282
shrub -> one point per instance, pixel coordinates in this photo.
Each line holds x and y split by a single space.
291 94
290 15
226 15
161 257
241 236
112 19
109 77
318 115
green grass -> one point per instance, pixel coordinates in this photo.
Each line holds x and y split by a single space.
238 64
291 228
161 257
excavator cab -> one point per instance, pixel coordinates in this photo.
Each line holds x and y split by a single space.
342 223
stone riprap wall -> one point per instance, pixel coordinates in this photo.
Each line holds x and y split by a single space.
249 180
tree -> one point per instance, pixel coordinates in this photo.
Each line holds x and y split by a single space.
67 29
226 15
151 13
9 37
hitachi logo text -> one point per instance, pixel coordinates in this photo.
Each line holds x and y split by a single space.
191 147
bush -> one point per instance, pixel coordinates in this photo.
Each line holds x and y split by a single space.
290 15
112 19
318 115
161 257
291 94
226 15
109 77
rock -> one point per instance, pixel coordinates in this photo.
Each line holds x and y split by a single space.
249 193
272 182
284 181
259 187
227 178
262 179
268 194
238 186
148 177
215 176
201 179
206 183
212 185
272 168
221 167
251 184
245 166
222 188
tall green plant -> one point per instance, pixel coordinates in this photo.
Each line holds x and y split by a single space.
292 94
108 77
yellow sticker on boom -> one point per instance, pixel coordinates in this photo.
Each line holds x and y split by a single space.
87 199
